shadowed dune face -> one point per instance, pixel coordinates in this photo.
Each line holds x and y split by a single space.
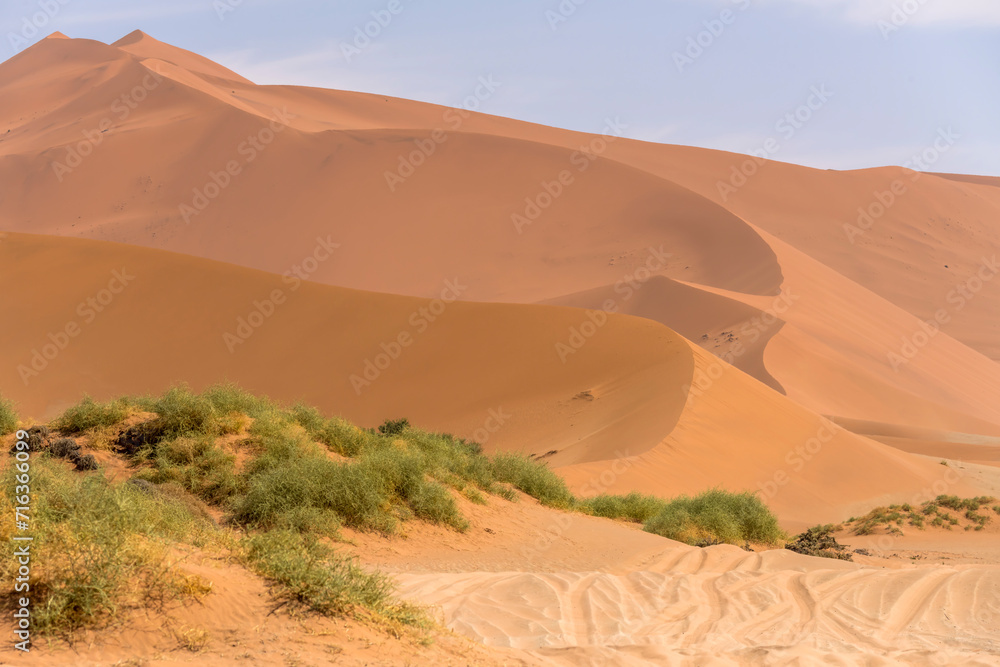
139 320
590 392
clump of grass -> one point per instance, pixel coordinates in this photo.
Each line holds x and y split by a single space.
634 507
937 512
532 477
8 416
733 518
312 574
90 414
100 549
198 465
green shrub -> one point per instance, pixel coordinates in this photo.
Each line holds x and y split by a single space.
198 465
8 417
181 412
733 518
228 398
311 573
633 507
532 477
90 414
100 548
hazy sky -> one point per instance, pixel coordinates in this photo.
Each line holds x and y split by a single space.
889 74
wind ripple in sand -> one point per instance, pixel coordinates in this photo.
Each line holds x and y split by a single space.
714 606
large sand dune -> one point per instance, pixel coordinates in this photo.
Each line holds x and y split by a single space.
492 372
822 337
131 142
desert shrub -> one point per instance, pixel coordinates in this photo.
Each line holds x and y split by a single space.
393 427
229 398
181 412
100 548
89 414
198 465
733 518
314 575
8 416
634 507
532 477
85 463
64 448
819 541
432 502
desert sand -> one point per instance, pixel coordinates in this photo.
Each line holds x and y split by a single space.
594 301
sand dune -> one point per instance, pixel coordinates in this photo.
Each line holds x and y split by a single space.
381 258
527 378
209 164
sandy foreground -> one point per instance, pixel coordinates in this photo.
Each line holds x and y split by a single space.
646 330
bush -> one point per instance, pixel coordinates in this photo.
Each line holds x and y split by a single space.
181 412
311 573
99 549
89 414
8 417
64 448
732 518
393 427
198 465
532 477
819 541
633 507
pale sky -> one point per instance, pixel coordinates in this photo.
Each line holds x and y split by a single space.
715 73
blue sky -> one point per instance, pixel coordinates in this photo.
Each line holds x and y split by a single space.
715 73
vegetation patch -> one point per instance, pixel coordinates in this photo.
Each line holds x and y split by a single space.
947 512
281 482
717 516
819 541
8 417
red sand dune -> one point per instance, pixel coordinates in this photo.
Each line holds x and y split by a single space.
123 320
160 127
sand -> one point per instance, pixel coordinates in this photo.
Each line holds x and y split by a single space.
633 313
